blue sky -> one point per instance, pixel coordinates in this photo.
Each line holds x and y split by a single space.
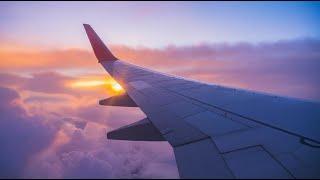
158 24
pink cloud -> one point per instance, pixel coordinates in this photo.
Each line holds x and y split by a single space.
79 151
18 133
70 126
286 67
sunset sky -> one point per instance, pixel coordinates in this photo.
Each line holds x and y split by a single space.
50 122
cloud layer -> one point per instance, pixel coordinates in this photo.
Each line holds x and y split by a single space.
51 129
46 146
284 67
21 134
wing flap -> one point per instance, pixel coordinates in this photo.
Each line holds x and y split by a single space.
120 100
142 130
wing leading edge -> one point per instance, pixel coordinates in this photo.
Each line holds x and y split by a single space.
215 130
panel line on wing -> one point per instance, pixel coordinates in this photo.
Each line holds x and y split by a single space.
248 118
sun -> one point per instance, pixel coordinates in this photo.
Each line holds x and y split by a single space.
116 87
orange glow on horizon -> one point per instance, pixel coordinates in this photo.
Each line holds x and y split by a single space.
88 83
109 84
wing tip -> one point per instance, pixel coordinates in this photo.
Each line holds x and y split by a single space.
86 26
100 49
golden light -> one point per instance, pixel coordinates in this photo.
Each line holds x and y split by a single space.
89 83
116 87
95 83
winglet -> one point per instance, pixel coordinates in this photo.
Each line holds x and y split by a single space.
100 49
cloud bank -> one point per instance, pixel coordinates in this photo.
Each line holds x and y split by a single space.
284 67
51 129
41 146
21 134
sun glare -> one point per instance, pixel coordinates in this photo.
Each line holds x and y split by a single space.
116 87
109 84
91 83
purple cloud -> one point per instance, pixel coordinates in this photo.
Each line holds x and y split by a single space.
70 128
32 146
21 135
289 68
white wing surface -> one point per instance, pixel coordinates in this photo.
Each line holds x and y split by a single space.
216 131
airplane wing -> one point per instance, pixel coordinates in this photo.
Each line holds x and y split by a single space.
216 131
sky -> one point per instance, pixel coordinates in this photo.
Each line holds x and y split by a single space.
157 24
51 125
